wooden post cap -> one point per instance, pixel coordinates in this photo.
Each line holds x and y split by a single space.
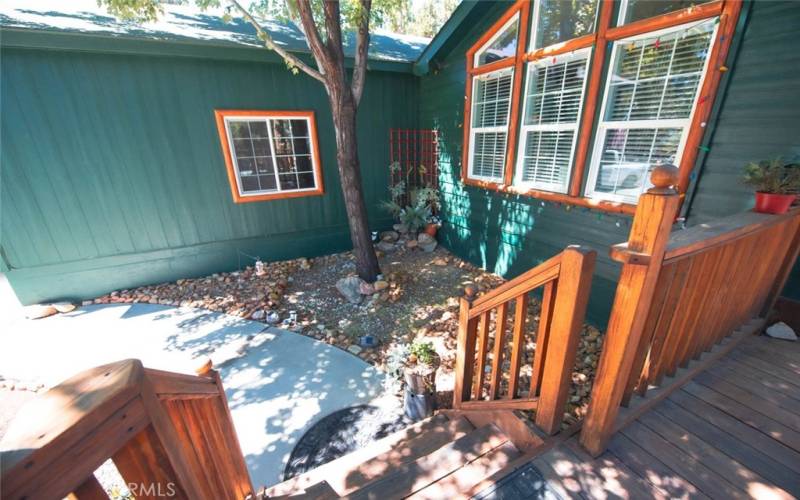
663 178
204 367
470 291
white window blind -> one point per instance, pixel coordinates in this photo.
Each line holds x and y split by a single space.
491 104
553 100
650 95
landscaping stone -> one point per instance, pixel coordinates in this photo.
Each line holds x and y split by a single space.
380 285
427 242
354 349
400 228
781 331
390 236
64 307
411 244
350 288
386 246
39 311
366 288
258 315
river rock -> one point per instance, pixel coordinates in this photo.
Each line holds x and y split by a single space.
386 246
781 331
390 236
380 285
350 288
64 307
426 242
39 311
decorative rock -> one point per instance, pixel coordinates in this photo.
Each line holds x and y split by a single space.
781 331
390 236
380 285
400 228
411 244
273 318
354 349
39 311
258 315
350 288
366 288
439 262
304 263
386 247
427 242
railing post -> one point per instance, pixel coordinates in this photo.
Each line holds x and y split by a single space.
572 294
648 238
465 356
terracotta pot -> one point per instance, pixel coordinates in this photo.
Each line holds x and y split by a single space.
771 203
431 229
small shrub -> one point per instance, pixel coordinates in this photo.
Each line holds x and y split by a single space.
773 176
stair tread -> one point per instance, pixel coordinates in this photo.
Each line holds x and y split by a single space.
410 477
467 477
402 446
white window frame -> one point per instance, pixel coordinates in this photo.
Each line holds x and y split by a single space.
473 131
498 34
269 118
524 129
604 125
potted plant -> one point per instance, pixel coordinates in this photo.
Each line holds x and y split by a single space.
415 217
419 374
432 225
776 183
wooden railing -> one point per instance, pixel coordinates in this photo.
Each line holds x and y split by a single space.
682 293
168 435
566 279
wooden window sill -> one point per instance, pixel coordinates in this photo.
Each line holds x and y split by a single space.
601 205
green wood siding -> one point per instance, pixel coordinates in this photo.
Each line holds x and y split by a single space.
504 233
113 174
760 116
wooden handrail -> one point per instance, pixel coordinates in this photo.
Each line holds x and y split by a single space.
680 294
721 231
165 432
566 279
524 283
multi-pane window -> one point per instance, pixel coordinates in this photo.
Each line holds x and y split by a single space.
561 20
597 101
491 103
271 154
502 45
551 111
649 98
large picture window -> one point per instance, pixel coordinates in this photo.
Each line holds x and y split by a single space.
270 154
651 91
601 92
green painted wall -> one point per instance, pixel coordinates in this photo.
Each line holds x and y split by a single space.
760 116
112 174
504 233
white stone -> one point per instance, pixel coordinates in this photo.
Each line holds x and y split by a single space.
781 331
39 311
64 307
354 349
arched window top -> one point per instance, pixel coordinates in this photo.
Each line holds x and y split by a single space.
501 45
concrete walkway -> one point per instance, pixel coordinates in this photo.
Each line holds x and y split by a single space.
276 392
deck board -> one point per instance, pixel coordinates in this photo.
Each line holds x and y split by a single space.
731 432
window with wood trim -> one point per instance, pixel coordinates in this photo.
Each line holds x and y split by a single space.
637 83
270 154
491 105
551 110
649 97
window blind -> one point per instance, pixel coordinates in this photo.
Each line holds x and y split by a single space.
552 108
491 102
650 95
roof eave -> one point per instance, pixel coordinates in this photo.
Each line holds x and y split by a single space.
423 62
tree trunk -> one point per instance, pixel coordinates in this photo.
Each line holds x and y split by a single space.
344 120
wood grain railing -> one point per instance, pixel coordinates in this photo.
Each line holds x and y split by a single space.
682 293
168 434
483 350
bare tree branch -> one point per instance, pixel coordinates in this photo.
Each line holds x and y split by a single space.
362 48
291 59
320 51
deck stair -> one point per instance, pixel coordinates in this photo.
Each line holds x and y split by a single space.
443 456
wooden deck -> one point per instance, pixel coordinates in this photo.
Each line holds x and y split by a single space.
732 432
